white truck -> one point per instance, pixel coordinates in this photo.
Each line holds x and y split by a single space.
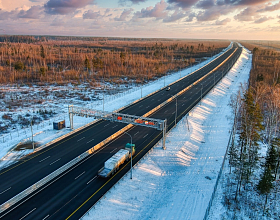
113 164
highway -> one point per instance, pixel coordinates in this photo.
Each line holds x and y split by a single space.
61 198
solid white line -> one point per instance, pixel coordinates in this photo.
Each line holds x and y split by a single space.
44 159
28 213
136 133
55 161
46 217
5 190
91 179
90 141
80 139
146 135
80 175
113 150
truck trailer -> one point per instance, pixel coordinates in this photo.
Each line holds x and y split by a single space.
112 165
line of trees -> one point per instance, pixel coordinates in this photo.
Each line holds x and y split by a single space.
256 111
52 61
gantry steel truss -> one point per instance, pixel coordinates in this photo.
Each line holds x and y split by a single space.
118 117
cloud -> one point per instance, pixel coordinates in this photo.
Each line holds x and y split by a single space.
177 15
190 17
213 13
271 8
33 13
246 15
241 2
64 7
223 22
205 4
183 3
124 15
122 2
5 15
91 14
159 11
262 20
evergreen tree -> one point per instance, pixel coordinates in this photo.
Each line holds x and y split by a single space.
43 55
271 159
276 144
249 129
265 184
87 64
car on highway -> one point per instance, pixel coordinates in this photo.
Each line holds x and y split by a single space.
167 88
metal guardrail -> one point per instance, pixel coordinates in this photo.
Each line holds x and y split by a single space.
57 172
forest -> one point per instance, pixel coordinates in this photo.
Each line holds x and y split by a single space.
45 60
252 183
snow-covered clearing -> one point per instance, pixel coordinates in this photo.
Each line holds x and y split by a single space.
177 183
58 99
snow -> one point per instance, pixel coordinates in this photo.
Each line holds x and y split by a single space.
44 133
177 183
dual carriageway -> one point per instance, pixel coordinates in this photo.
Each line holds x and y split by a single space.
75 191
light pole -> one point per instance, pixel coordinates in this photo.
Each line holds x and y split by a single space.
32 134
176 111
130 154
201 93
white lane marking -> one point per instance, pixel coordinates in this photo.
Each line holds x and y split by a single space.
173 113
159 100
80 139
147 106
91 180
28 213
184 97
44 159
115 126
113 150
5 190
106 125
146 135
183 104
55 161
46 217
136 133
90 141
153 99
166 111
80 175
141 106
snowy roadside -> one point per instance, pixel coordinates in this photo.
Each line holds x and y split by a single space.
44 133
177 183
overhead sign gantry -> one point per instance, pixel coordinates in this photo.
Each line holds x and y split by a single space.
118 117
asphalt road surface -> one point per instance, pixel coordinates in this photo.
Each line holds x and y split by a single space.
75 191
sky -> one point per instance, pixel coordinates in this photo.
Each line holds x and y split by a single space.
191 19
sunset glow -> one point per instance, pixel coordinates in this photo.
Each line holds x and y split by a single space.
207 19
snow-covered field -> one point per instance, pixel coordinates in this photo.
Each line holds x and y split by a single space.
177 183
57 100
